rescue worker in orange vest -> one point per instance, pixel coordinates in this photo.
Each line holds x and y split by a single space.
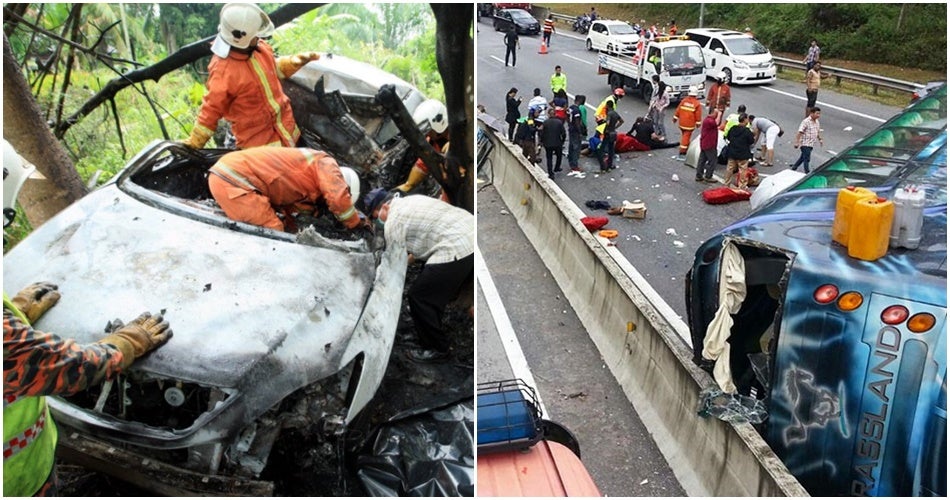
244 83
688 114
253 185
38 364
600 116
432 117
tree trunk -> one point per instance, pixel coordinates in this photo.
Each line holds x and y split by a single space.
25 130
455 55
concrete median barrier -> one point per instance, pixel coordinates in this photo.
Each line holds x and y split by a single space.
639 337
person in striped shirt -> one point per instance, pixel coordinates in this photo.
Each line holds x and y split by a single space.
548 29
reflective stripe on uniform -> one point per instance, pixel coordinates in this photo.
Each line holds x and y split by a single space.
287 136
230 175
19 442
347 214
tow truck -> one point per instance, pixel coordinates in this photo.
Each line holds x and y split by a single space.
677 59
522 454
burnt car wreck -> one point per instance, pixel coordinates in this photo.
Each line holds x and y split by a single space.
273 331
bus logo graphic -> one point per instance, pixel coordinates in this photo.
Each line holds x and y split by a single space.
812 406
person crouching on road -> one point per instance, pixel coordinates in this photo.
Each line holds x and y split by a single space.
252 185
244 83
38 364
441 235
688 114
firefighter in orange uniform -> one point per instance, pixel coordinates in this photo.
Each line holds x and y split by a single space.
688 114
244 83
433 116
253 185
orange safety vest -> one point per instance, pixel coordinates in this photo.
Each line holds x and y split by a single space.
689 113
245 90
291 178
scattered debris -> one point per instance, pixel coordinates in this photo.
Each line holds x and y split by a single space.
676 178
848 128
645 481
505 212
678 244
671 232
634 210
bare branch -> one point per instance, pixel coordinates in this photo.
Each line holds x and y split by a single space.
183 57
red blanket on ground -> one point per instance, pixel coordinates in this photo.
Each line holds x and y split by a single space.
627 143
721 195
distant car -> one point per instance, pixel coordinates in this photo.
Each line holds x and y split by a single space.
741 57
274 331
523 22
615 37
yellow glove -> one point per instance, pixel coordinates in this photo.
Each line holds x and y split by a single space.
198 138
36 299
288 65
139 337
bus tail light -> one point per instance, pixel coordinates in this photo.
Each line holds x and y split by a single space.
895 315
921 322
826 294
850 301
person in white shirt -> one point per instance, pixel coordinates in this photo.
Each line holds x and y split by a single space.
443 236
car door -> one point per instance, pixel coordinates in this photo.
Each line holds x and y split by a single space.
503 21
597 35
717 55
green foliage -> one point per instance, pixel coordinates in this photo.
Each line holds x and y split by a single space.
867 32
399 38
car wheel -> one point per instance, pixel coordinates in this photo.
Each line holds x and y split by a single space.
615 80
646 91
589 45
728 73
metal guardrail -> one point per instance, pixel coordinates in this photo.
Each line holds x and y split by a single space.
838 74
841 73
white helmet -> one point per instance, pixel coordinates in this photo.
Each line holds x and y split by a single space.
241 22
433 114
15 172
693 90
353 181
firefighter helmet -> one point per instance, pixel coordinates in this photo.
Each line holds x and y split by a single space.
432 114
241 22
353 181
15 172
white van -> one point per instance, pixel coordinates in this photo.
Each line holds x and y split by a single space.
741 57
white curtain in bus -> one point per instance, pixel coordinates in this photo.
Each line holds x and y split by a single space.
732 292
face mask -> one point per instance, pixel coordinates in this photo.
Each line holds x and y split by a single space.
380 223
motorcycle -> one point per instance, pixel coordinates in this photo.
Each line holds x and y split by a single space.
582 24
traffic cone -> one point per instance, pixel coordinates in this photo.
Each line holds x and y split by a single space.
544 47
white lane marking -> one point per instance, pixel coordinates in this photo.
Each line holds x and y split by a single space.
516 359
826 105
577 59
497 59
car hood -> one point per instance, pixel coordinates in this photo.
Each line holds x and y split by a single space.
232 299
631 38
350 76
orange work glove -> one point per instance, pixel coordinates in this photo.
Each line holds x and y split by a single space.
139 337
288 65
36 299
198 138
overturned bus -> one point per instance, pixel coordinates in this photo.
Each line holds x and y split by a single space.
848 356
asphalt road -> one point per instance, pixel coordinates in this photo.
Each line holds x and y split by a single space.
662 246
525 327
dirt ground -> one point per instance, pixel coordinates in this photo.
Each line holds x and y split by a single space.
300 467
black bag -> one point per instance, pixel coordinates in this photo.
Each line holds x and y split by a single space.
723 156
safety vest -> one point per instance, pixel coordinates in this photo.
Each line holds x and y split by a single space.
29 438
601 113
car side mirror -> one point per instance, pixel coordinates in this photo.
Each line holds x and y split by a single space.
719 50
